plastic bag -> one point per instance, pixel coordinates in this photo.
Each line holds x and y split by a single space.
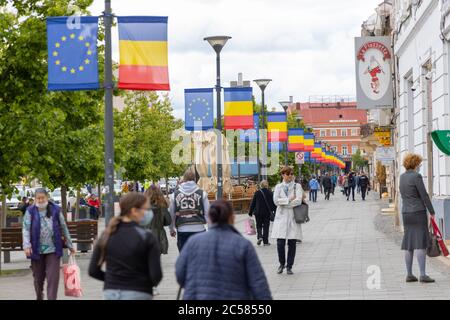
72 280
250 227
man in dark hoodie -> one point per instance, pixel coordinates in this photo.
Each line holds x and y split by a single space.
189 206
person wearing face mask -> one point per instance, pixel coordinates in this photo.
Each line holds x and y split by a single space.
286 196
43 230
221 264
131 253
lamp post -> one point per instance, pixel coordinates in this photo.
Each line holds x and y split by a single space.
218 42
262 84
285 105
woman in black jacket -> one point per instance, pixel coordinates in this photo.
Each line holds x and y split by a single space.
131 253
262 207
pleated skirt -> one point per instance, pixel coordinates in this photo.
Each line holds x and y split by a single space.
416 235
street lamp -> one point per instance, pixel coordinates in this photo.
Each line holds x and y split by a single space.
218 42
262 84
285 105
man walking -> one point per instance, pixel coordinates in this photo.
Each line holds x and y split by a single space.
351 186
313 187
189 206
327 185
263 208
358 188
334 181
363 184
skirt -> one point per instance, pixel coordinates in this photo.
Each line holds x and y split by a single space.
417 235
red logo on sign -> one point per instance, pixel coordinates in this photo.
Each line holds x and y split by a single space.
373 45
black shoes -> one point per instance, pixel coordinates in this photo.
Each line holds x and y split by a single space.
426 279
280 269
266 244
259 242
289 271
411 278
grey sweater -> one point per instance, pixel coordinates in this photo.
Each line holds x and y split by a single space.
414 195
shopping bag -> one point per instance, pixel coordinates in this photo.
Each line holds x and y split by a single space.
250 227
72 280
433 249
438 234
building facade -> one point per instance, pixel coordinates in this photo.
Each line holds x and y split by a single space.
421 45
338 123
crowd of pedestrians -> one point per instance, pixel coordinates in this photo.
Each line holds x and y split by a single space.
215 261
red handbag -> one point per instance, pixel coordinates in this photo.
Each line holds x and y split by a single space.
438 234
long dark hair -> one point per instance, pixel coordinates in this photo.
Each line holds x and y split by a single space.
127 202
156 197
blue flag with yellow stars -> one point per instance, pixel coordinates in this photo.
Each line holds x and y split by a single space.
199 112
72 53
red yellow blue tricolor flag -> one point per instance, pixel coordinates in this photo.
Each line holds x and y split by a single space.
238 108
143 53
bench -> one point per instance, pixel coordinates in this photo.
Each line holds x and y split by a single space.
83 232
240 200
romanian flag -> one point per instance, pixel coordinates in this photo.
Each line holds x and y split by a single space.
277 127
295 140
317 150
143 53
309 141
238 108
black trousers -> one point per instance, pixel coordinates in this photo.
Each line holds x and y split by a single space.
352 191
262 228
363 192
327 193
281 247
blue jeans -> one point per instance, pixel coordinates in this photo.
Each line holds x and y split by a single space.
313 194
115 294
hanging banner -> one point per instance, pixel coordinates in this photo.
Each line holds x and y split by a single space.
373 59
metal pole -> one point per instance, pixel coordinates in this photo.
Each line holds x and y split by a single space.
109 125
219 128
263 114
285 153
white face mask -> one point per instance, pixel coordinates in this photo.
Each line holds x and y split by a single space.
42 205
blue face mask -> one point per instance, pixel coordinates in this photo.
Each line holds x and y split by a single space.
147 219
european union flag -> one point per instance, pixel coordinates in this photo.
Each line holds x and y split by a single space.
251 135
72 53
198 113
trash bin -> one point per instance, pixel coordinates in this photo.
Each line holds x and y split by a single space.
84 247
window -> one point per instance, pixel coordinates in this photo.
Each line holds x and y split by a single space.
322 133
354 132
354 149
344 150
333 133
344 132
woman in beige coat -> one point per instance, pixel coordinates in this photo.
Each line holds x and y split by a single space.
287 195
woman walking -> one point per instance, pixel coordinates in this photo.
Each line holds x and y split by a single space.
43 230
161 216
221 264
287 195
415 220
131 253
262 207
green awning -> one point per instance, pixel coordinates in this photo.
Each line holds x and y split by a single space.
442 140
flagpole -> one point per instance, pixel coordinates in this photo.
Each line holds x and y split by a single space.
109 125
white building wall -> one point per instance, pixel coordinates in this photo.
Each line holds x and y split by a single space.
419 42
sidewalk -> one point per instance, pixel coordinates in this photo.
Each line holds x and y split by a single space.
340 243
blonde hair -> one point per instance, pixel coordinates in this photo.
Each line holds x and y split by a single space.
411 161
264 184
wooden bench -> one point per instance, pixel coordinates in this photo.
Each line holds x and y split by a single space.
83 232
80 232
240 200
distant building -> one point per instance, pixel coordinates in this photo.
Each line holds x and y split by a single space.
335 121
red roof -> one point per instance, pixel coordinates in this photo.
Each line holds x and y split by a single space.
318 113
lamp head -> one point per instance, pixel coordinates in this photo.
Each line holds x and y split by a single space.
285 104
262 83
217 42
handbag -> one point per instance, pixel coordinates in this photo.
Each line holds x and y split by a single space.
250 228
301 212
72 280
440 241
433 246
272 213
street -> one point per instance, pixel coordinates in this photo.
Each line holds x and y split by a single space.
342 243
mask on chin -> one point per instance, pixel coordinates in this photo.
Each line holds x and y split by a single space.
42 205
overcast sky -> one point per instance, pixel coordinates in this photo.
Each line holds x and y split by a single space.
305 46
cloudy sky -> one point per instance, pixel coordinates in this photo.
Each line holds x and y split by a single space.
304 46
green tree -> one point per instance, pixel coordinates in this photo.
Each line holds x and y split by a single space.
358 161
